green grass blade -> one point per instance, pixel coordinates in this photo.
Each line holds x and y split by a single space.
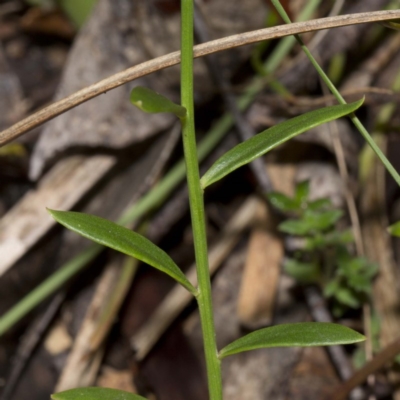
124 240
151 102
303 334
267 140
95 393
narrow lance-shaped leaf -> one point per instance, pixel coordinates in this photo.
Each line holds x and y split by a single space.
152 102
267 140
117 237
303 334
95 393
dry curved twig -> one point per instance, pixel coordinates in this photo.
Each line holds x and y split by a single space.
170 59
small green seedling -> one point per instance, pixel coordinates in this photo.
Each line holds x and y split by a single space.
325 258
112 235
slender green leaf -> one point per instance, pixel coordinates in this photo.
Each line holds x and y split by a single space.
265 141
95 393
394 229
117 237
303 334
152 102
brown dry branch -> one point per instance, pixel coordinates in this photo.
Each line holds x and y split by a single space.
168 60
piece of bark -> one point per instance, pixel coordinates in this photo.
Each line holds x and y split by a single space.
261 274
58 340
262 269
104 46
84 359
61 188
67 183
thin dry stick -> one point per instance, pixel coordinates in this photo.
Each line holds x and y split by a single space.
168 60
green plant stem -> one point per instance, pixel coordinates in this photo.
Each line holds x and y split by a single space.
154 197
357 123
204 298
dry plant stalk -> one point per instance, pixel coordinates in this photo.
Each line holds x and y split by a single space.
171 59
